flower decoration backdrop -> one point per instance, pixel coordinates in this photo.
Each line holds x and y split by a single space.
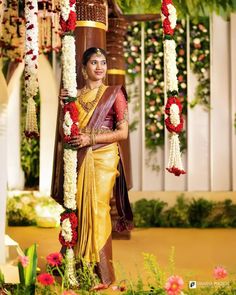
154 75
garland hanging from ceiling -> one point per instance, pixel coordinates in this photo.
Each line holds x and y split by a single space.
173 108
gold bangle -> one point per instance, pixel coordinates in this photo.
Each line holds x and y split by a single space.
92 139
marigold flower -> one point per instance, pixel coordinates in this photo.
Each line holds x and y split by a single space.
54 259
220 273
45 279
24 260
174 285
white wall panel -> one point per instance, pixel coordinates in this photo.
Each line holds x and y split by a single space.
220 103
48 113
233 96
198 154
3 162
15 178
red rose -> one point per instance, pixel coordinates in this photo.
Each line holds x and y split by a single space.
63 24
72 2
176 171
71 22
72 243
164 9
170 101
73 218
167 28
72 109
171 128
74 130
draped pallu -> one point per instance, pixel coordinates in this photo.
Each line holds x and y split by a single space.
117 28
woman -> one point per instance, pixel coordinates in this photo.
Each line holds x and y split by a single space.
103 122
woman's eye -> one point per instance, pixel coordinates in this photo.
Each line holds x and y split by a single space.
104 62
93 62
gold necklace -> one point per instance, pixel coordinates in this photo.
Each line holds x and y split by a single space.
88 105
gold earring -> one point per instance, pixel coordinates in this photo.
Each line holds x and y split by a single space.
84 73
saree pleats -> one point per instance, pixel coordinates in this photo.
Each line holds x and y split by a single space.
95 184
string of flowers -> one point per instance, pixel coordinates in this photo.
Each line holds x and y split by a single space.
200 61
69 221
31 67
173 108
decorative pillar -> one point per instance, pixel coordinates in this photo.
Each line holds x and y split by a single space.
116 76
115 51
90 30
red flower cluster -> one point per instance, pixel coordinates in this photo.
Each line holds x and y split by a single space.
72 109
176 171
68 25
167 28
171 128
74 223
170 101
54 259
45 279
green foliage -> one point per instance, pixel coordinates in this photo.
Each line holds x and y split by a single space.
193 8
200 60
177 216
148 213
199 213
86 276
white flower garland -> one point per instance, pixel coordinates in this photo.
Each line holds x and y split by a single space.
174 164
68 65
65 9
66 230
70 178
70 267
31 65
172 15
70 156
174 114
31 48
67 123
170 63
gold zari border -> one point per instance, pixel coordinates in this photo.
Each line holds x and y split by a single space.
90 23
115 72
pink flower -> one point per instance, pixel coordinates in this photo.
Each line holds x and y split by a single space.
68 292
54 259
174 285
220 273
24 260
45 279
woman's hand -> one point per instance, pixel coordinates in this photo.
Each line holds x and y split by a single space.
81 140
63 95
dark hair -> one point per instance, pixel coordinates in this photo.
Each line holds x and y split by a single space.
89 52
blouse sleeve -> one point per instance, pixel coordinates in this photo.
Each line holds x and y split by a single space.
120 108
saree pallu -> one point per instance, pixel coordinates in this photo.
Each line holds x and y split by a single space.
96 179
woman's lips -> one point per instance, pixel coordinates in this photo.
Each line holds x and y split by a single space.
98 73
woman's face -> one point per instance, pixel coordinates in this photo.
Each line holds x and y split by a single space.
96 67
